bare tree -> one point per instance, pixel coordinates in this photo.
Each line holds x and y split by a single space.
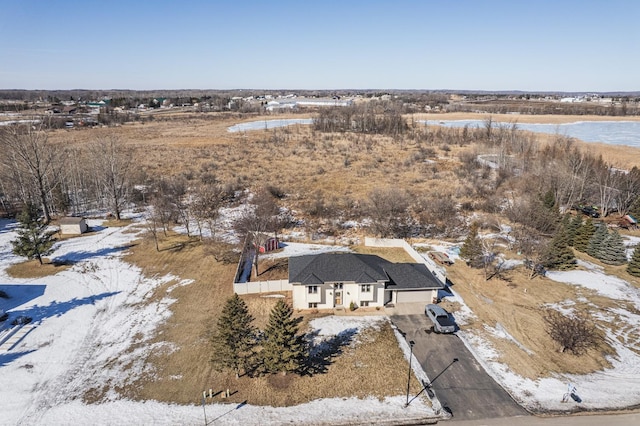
112 162
258 222
205 206
389 213
533 248
151 223
628 190
32 158
605 178
575 333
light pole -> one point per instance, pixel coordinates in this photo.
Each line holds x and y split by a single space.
411 343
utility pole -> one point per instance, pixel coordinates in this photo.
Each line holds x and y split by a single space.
411 343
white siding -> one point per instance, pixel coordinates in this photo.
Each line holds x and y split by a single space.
325 298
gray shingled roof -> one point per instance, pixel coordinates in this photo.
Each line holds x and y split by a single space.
359 268
335 267
404 276
70 220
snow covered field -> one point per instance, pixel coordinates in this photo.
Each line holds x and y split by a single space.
91 329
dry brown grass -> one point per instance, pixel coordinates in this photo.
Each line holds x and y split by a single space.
392 254
367 368
33 269
114 223
517 306
344 167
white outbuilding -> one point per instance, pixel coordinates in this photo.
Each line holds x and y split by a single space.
73 225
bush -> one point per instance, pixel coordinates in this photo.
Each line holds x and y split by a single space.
574 333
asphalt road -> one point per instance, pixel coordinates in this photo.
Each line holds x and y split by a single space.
463 386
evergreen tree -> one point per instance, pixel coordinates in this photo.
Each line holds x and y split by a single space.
284 350
471 250
559 255
583 235
548 200
634 264
572 229
613 250
596 242
234 339
34 241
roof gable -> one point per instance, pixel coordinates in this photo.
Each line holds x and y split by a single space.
411 276
360 269
336 267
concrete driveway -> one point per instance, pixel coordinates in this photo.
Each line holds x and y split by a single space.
463 386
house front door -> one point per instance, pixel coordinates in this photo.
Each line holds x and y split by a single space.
338 298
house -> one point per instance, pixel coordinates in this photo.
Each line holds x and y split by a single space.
73 225
333 280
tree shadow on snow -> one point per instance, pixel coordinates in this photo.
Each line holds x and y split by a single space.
78 256
56 309
9 357
7 225
19 294
322 352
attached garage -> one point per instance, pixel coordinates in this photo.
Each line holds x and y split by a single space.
411 296
411 283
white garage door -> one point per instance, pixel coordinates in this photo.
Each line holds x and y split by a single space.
415 296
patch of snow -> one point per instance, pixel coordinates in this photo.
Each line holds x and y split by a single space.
595 279
299 249
268 124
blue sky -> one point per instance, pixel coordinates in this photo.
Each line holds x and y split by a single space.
541 45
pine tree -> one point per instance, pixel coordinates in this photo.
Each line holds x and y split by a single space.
284 350
583 235
634 264
572 229
613 250
549 200
559 255
596 242
471 250
34 241
234 339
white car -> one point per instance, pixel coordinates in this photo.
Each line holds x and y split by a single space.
442 322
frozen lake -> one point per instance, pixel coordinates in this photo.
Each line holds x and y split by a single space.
610 132
268 124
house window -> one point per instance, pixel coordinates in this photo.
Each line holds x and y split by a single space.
337 286
366 288
313 305
364 304
313 289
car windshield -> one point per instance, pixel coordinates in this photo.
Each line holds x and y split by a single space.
444 320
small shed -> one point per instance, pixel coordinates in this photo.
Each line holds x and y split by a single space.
73 225
270 244
628 221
